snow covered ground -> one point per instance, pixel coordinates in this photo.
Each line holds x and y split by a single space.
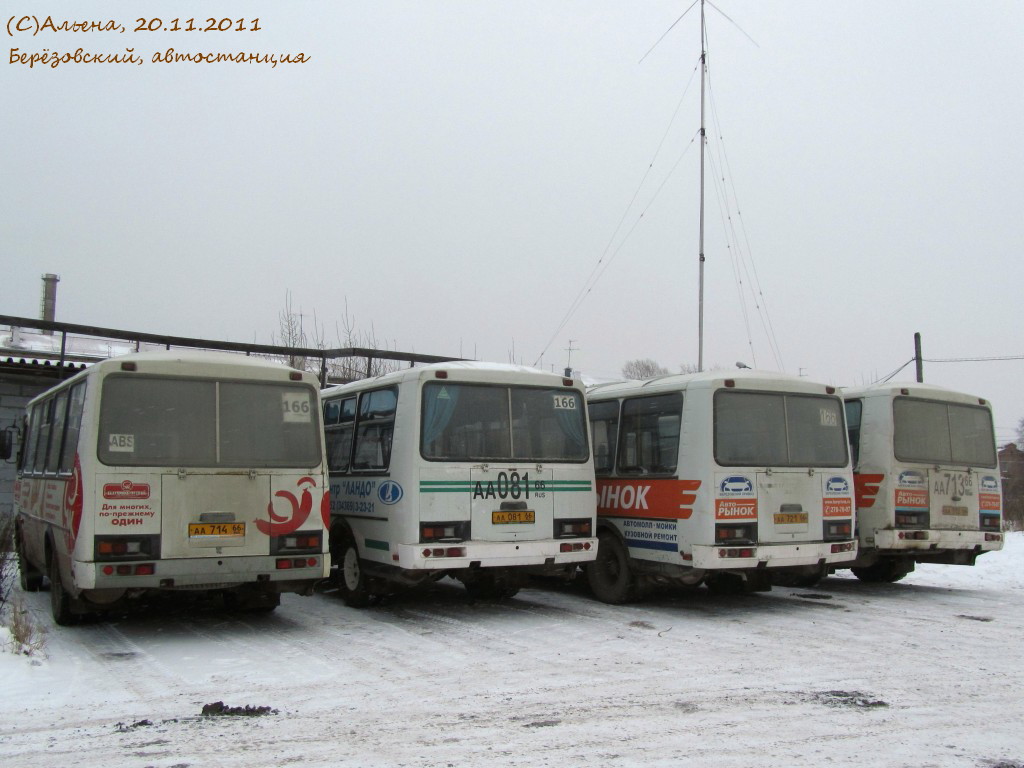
926 672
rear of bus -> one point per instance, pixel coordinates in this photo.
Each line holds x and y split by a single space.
927 476
194 471
489 479
719 479
781 490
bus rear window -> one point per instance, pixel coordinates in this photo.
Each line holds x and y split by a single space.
769 429
476 422
933 432
156 421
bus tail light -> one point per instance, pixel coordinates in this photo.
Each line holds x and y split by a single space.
290 563
579 527
990 523
914 535
130 547
454 530
736 534
847 547
745 552
911 519
444 552
993 537
298 543
138 569
574 546
838 530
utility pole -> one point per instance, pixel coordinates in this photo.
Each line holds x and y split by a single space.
568 363
917 358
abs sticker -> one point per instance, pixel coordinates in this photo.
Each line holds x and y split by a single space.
121 443
389 492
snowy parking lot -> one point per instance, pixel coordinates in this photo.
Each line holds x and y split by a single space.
925 672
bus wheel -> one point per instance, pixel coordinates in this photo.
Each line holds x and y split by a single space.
351 577
30 577
60 600
610 577
887 569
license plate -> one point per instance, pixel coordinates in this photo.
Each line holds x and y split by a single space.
505 516
791 518
954 511
216 529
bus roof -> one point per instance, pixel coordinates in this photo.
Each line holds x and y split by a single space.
461 370
745 378
207 363
913 389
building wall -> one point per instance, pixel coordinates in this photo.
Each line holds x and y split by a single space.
15 392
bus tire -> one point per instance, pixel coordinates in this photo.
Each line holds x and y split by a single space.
609 575
60 600
30 577
886 569
351 576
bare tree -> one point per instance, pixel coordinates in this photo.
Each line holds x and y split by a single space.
296 333
643 369
354 368
293 335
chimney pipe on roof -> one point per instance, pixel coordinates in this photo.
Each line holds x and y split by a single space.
48 310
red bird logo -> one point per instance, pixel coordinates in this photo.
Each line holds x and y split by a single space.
280 525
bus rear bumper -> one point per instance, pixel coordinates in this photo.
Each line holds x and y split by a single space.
773 555
933 540
494 554
204 573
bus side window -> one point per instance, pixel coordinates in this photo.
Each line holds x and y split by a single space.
853 413
60 407
339 420
650 434
374 428
28 442
45 428
73 429
604 428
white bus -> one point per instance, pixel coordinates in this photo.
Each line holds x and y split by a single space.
726 478
927 478
477 471
172 471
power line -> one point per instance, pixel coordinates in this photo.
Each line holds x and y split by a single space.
971 359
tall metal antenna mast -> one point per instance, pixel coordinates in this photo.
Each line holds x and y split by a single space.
700 247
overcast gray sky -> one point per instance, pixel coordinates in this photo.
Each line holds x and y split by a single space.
456 170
